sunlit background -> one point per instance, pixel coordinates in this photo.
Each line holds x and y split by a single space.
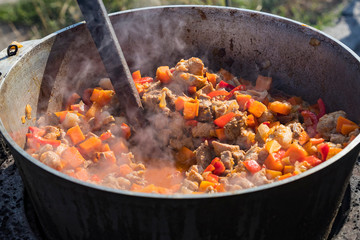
31 19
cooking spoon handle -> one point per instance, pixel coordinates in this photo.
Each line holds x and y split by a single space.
103 34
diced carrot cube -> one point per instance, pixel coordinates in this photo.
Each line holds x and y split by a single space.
102 97
251 121
75 134
90 145
82 174
204 185
272 174
304 137
333 152
348 128
280 107
220 134
296 153
180 102
272 146
72 157
119 147
163 74
136 75
191 109
341 121
288 169
242 100
211 77
285 176
256 108
273 163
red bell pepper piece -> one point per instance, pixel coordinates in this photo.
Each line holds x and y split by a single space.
224 119
144 80
225 85
312 160
218 93
311 122
252 166
324 149
37 131
219 168
267 123
209 168
43 141
106 135
212 178
322 110
232 92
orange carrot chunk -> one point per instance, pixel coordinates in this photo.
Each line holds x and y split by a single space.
256 108
341 121
75 134
90 145
163 74
296 153
72 157
280 107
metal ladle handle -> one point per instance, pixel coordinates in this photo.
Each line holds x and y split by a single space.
103 34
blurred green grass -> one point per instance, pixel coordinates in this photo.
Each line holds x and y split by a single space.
41 17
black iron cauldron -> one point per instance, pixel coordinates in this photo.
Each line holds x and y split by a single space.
301 60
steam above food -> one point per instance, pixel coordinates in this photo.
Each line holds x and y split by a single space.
202 132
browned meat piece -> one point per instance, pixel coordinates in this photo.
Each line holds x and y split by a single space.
176 125
267 116
296 129
164 137
71 120
205 113
259 178
151 100
179 142
283 135
257 95
48 119
193 65
202 130
220 107
253 152
127 158
327 124
240 179
233 128
221 147
45 148
246 138
51 159
337 138
227 159
52 132
137 177
206 89
116 182
190 185
193 174
238 156
203 155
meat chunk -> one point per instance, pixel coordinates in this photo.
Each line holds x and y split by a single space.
203 155
193 174
246 138
190 185
51 159
232 128
202 130
117 182
283 135
193 65
71 120
240 180
221 147
238 156
205 113
227 159
296 129
327 124
259 178
337 138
